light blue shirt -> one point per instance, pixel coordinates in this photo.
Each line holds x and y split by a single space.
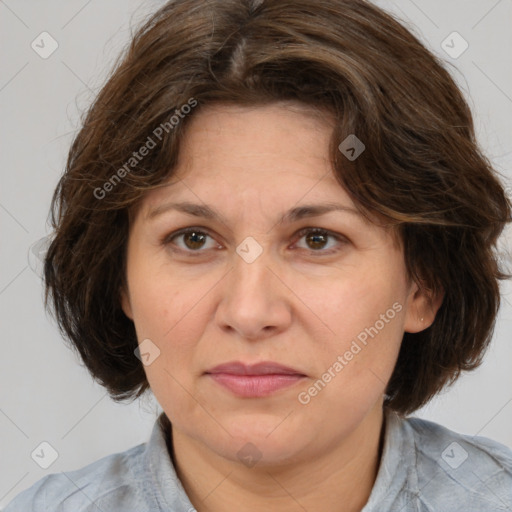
424 467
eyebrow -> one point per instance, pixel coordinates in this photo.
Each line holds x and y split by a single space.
293 215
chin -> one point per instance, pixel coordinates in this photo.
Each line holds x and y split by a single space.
260 452
259 438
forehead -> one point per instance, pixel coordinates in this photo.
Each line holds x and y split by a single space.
289 119
278 149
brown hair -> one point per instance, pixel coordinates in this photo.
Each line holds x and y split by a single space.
421 171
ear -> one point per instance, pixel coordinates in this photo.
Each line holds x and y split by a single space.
422 308
125 303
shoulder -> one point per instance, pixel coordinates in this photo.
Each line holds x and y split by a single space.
109 481
463 470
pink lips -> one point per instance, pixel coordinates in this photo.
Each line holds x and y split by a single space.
257 380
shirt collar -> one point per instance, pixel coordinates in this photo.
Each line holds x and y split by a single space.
160 483
397 469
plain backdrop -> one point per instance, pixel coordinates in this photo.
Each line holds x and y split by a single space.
45 393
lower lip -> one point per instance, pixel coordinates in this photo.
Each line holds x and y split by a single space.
253 386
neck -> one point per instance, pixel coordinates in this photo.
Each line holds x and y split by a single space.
338 480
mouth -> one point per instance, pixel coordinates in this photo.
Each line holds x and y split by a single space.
256 380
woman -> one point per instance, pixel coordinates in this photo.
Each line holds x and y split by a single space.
277 219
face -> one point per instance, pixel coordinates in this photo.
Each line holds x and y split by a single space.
319 298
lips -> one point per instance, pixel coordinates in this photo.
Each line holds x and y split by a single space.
263 368
256 380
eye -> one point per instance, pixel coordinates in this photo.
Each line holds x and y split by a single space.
317 239
193 239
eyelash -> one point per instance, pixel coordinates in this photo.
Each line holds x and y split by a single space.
167 240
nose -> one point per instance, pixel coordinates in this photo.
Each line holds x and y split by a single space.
255 302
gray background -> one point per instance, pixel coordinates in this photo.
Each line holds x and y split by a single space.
45 394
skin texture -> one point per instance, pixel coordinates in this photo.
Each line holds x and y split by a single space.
294 304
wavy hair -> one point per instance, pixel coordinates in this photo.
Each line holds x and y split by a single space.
422 171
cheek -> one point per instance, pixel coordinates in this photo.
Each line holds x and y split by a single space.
364 315
349 304
162 303
172 316
172 311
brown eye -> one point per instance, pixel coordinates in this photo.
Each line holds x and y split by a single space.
194 239
190 240
316 240
319 241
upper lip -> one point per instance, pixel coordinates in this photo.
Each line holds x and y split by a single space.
261 368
